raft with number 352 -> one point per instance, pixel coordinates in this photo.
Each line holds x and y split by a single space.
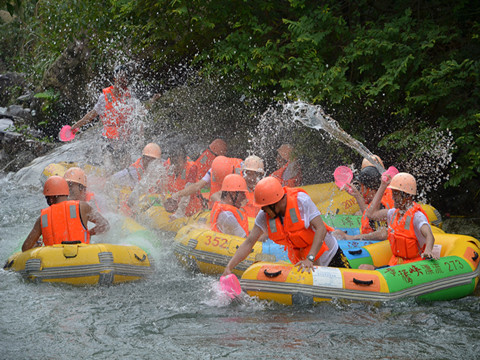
454 275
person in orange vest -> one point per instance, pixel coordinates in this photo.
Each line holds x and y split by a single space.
221 167
64 220
217 147
115 107
290 218
253 171
227 215
369 180
409 232
289 172
77 185
131 175
182 172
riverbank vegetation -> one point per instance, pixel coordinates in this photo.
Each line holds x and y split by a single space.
400 76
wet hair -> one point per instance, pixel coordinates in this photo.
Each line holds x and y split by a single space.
370 177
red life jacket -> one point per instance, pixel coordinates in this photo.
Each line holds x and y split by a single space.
138 166
239 214
176 183
293 182
401 235
114 118
204 162
292 233
62 222
250 208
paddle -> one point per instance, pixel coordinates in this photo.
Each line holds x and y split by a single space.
392 171
66 133
230 285
343 175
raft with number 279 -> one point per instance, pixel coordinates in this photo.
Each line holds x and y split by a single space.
453 276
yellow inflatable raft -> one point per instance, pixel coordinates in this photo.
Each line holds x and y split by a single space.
82 264
203 250
453 276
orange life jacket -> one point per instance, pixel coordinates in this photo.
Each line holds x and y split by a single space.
62 222
176 183
204 162
114 118
366 223
138 166
90 198
387 199
239 214
401 235
292 233
293 182
250 208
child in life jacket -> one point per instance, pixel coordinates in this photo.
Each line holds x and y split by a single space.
409 233
369 180
227 215
289 172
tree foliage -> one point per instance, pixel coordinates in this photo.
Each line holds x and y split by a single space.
387 70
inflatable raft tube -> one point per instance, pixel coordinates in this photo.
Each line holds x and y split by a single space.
82 264
453 276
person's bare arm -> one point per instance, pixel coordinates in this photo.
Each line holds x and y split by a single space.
33 237
318 239
430 240
190 190
92 215
374 212
244 250
89 117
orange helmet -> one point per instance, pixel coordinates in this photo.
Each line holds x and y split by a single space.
152 150
234 182
285 151
218 147
221 167
366 162
55 186
268 191
404 182
253 163
76 175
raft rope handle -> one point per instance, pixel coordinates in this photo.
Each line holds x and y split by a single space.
355 252
8 264
142 259
475 257
73 242
363 282
272 275
236 247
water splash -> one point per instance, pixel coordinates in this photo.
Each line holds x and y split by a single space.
315 117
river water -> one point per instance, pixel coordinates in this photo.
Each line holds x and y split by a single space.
178 315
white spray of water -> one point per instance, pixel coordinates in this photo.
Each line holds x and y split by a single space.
314 117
